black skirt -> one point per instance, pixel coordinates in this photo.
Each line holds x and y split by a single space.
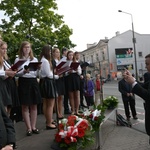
4 93
60 86
47 88
73 82
12 91
29 91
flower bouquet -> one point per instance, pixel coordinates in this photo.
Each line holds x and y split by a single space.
95 116
74 133
110 102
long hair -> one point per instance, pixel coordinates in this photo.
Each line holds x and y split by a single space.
23 44
1 44
1 59
54 50
68 54
46 50
74 56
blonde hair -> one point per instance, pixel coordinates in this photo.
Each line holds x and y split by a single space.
1 61
54 50
88 76
1 44
6 57
21 50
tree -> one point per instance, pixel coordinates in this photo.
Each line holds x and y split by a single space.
35 21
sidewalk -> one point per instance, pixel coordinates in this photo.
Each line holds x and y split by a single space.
112 137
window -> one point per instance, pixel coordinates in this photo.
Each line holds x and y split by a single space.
140 54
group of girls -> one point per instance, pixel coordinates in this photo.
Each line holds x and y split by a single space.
30 92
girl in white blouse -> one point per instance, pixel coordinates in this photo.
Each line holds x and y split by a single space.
7 83
28 88
73 78
48 90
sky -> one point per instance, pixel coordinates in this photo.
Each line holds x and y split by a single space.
92 20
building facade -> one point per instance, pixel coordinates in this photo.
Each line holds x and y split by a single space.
113 55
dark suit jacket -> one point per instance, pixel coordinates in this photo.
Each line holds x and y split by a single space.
124 88
7 131
144 92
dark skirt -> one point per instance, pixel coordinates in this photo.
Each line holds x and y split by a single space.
60 86
29 92
47 88
5 95
12 91
73 82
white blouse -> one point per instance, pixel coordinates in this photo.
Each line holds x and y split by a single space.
78 71
2 71
31 74
46 70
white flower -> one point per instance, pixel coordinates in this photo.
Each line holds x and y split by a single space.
96 113
87 113
64 121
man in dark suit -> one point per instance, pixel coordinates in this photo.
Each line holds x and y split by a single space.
143 91
128 98
7 131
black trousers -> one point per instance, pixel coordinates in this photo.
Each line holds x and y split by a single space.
130 102
66 96
89 100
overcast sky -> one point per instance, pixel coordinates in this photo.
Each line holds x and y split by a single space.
92 20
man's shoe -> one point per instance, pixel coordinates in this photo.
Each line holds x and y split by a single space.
128 119
135 117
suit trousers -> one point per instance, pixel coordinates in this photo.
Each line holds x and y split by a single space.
130 102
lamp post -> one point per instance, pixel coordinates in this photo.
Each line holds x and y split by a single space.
134 41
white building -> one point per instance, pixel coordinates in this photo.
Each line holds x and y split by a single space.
111 56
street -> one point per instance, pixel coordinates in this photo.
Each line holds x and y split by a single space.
111 88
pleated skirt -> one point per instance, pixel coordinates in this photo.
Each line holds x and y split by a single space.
48 88
29 91
73 82
12 90
60 86
4 93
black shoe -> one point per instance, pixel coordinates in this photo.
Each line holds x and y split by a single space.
83 106
67 112
35 131
50 128
29 133
135 117
60 118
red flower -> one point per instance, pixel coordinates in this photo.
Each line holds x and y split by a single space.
96 118
71 120
58 138
90 116
67 140
83 125
61 126
81 133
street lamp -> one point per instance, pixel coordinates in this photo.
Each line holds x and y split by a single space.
134 41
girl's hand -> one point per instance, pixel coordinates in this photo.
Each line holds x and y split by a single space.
10 73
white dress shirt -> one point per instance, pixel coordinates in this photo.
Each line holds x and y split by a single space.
46 70
31 74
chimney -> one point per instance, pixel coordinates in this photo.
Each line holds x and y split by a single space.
117 33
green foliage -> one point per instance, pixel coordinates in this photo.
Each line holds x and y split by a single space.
110 102
35 21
